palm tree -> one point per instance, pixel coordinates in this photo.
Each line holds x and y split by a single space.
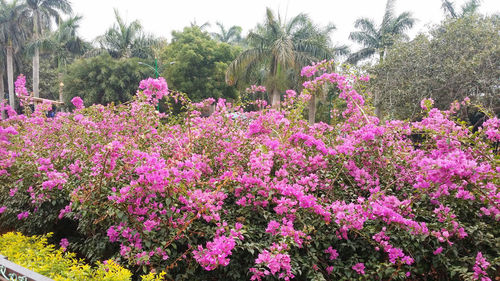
42 12
125 40
379 39
280 48
13 34
202 26
468 8
64 44
230 36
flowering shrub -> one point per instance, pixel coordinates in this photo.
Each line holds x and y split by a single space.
265 196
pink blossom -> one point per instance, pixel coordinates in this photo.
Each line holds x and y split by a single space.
438 251
359 268
333 253
23 215
64 244
216 253
480 268
77 102
427 104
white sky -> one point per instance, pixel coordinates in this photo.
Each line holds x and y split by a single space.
160 17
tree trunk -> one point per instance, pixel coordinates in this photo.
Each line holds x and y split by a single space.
10 76
36 60
275 99
61 85
312 110
2 92
36 72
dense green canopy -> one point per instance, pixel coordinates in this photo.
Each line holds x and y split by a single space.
195 64
459 59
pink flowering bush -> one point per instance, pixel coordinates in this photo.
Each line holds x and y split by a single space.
262 196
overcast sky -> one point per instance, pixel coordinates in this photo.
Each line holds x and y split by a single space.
160 17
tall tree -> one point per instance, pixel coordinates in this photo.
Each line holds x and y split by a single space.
379 39
103 79
467 8
64 45
376 40
230 36
281 48
42 12
125 40
459 58
196 64
13 34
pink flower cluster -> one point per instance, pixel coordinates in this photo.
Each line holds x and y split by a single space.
20 86
479 268
492 129
64 244
274 262
77 102
153 89
217 252
254 89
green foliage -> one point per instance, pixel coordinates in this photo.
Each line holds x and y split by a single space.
196 64
102 79
37 255
460 58
278 51
230 36
376 39
125 40
49 81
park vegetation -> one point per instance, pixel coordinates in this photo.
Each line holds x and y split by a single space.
280 155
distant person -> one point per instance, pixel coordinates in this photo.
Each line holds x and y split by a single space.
52 113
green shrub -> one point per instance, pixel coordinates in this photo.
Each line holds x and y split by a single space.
37 255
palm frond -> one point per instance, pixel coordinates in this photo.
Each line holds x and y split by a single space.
360 55
449 8
470 7
244 62
389 12
402 23
365 39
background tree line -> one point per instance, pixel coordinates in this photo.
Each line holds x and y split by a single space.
456 58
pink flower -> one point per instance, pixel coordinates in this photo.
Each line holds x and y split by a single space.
12 192
480 268
77 102
153 89
64 244
438 251
359 268
216 253
329 270
22 215
492 129
333 253
273 227
426 104
2 209
254 89
150 225
20 86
